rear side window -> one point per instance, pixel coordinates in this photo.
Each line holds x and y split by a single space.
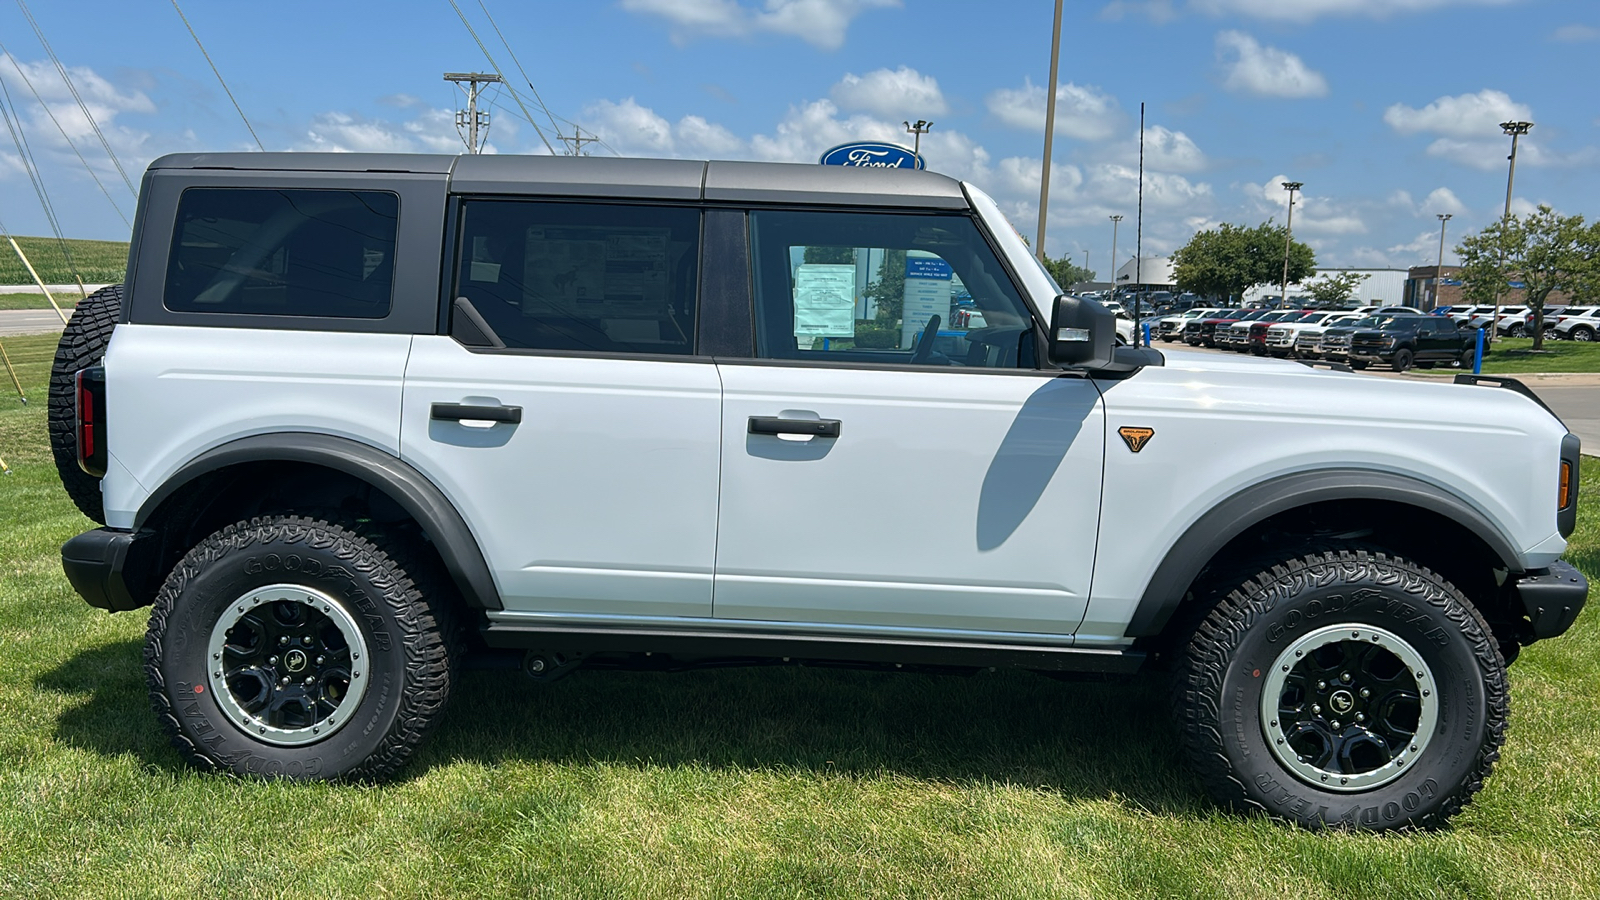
581 276
283 252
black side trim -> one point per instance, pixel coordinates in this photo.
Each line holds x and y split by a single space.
405 485
726 323
1510 384
468 326
799 646
1324 364
1230 518
1567 516
1552 598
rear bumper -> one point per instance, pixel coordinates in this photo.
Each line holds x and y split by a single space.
98 562
1552 597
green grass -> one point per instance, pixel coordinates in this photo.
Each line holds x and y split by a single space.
1515 355
97 262
38 301
736 783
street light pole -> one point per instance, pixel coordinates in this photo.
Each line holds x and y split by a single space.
1516 130
1438 270
919 128
1086 264
1288 237
1115 220
1049 130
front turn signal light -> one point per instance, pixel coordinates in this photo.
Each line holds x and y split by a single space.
1566 485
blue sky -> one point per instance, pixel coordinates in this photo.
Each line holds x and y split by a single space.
1387 110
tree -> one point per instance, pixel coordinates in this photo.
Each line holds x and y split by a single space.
1334 290
1231 259
836 255
888 293
1544 250
1065 273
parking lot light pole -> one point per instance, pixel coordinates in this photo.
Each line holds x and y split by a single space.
1049 130
1438 270
1115 220
1288 237
1516 130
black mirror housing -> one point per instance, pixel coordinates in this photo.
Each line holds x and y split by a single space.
1083 334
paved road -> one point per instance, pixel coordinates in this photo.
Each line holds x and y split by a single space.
58 290
29 321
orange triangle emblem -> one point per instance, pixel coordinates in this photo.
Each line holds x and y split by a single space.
1136 438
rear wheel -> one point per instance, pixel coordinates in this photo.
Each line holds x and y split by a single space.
1583 333
292 647
1344 688
83 343
1468 358
1401 361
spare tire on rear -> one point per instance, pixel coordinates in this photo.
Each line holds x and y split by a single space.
82 344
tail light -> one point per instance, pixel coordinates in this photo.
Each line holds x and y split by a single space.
90 386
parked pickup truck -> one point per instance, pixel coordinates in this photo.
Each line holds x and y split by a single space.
1403 341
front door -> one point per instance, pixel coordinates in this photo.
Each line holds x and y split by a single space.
894 461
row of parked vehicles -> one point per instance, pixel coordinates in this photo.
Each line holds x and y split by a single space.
1396 336
1567 323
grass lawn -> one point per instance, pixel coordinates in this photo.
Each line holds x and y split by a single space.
38 301
735 783
97 262
1515 355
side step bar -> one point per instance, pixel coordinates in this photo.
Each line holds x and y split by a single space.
908 651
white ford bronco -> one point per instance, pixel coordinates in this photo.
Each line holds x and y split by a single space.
354 417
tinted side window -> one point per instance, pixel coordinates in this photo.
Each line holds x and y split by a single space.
581 276
283 252
884 287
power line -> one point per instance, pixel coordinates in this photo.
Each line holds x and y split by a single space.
537 99
486 55
64 136
25 154
214 71
49 51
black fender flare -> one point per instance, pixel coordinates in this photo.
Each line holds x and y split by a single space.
407 487
1250 506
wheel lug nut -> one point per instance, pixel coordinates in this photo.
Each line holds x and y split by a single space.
306 642
309 681
1365 693
1316 708
1361 717
321 660
1344 677
1322 685
1334 724
272 660
284 681
283 640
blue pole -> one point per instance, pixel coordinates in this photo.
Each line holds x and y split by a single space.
1146 334
1477 357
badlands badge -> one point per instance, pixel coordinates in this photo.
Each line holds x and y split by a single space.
1136 438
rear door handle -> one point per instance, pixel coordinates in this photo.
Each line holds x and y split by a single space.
455 412
812 427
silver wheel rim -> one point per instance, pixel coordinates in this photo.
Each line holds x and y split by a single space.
287 664
1349 707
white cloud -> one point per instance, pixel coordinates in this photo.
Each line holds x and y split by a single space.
1083 112
1164 150
1443 200
1576 34
1265 71
1308 10
903 92
1464 115
632 129
432 131
104 100
821 23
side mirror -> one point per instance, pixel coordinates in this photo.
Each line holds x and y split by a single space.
1083 333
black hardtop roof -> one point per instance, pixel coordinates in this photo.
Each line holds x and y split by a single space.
598 176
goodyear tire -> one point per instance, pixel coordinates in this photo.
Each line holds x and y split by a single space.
83 343
1344 689
292 647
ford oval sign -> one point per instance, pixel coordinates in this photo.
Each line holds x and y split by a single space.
872 155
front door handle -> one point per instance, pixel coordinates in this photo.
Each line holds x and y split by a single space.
809 427
455 412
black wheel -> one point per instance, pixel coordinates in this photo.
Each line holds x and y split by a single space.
1583 333
1356 364
1514 329
291 647
82 344
1468 358
1345 689
1550 334
1401 361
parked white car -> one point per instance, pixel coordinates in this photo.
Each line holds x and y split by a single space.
1308 340
1282 337
1577 324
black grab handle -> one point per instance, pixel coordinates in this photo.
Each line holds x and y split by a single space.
455 412
774 425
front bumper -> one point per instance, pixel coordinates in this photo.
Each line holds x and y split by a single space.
103 566
1552 597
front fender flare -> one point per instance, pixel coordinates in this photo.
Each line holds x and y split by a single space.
1254 504
407 487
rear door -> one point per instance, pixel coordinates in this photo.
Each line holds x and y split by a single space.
566 414
876 478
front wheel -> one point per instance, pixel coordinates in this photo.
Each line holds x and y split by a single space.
1401 361
291 647
1347 689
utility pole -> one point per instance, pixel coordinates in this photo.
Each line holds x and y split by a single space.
1288 237
920 128
576 141
1049 130
1438 270
1115 220
467 122
1085 265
